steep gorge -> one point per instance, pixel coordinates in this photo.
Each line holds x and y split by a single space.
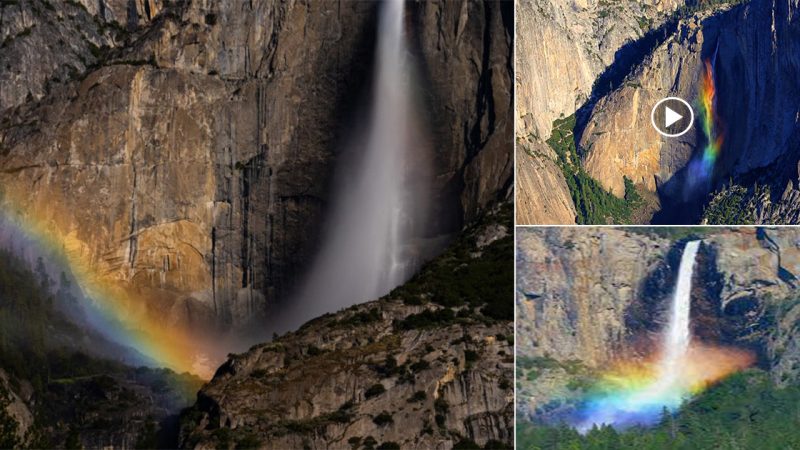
563 47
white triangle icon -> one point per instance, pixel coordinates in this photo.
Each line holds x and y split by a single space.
671 116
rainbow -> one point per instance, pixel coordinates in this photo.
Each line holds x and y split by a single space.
702 168
113 311
634 392
711 129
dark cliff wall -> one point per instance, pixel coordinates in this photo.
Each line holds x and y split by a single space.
190 165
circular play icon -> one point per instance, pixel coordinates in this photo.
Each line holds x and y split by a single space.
672 117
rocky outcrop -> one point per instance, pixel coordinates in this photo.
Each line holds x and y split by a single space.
45 44
542 194
574 286
563 46
191 168
428 366
465 54
14 413
338 381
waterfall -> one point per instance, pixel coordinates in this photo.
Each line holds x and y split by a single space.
364 252
639 401
676 340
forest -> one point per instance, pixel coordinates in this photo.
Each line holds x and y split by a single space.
746 411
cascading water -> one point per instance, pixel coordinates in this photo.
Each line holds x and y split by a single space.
642 402
364 252
678 335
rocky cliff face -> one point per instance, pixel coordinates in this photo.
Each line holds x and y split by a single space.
44 43
755 78
428 366
613 88
585 298
542 193
188 161
15 416
574 286
562 48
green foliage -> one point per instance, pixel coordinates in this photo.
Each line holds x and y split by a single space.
361 318
148 437
369 443
735 205
308 426
420 365
497 445
418 397
389 445
427 319
537 362
383 419
746 411
466 444
644 23
247 440
465 275
69 385
593 203
374 390
28 318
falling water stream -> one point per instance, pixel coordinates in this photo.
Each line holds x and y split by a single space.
641 402
676 340
363 255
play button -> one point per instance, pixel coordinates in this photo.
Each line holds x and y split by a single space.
672 117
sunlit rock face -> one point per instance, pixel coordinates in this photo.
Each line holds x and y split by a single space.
193 169
550 85
755 79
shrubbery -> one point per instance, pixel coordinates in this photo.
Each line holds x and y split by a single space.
746 411
593 203
465 276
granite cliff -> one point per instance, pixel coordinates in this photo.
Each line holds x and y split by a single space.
613 89
562 48
184 150
586 298
180 153
428 366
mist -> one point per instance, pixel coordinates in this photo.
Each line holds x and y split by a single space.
367 247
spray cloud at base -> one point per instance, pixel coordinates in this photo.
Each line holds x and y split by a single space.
638 392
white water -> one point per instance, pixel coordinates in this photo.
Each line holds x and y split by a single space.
676 340
644 406
678 336
363 255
